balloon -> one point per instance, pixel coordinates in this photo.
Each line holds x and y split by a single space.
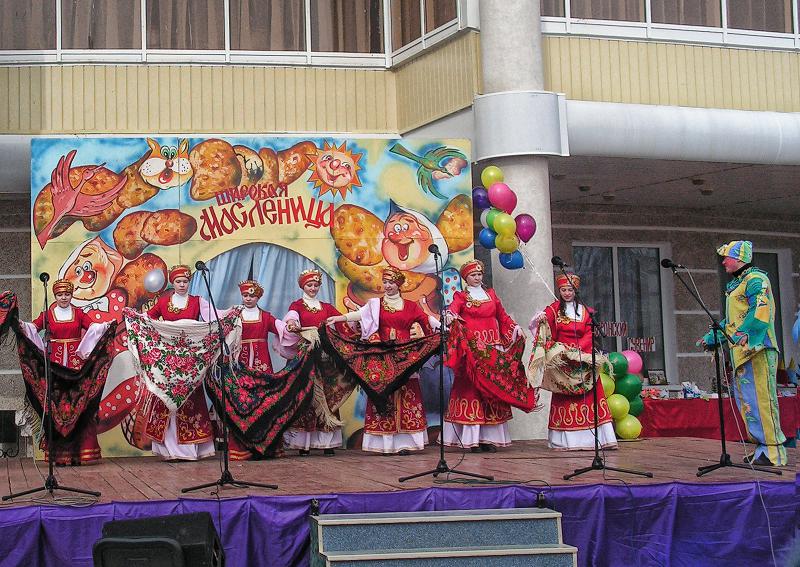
490 216
490 175
619 406
480 198
526 227
154 280
634 361
512 261
504 224
502 197
507 243
629 386
629 427
484 215
619 364
637 406
487 238
608 384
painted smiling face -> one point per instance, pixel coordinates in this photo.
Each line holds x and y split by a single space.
166 166
335 170
406 241
91 269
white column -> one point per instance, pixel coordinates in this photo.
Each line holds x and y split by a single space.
511 60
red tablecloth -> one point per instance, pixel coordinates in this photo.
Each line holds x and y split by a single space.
700 418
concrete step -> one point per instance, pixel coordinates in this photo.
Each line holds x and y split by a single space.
552 555
439 529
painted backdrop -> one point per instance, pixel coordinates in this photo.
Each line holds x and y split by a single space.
107 212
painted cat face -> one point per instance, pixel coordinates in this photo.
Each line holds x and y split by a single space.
167 166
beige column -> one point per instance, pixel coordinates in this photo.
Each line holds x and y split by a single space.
511 60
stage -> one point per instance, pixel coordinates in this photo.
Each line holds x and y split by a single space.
673 519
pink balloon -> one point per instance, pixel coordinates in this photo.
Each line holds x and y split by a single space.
634 361
526 227
502 197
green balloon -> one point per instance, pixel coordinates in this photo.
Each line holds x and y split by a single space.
608 384
629 427
619 406
618 363
629 386
637 406
491 215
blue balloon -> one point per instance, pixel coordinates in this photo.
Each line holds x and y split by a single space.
486 238
480 198
513 261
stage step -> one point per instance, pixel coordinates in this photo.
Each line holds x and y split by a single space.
507 536
550 555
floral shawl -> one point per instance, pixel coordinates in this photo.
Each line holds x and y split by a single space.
172 357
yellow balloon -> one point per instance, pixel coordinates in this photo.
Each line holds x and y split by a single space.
504 224
506 243
619 406
608 384
491 175
629 427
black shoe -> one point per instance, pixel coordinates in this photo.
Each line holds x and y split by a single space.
328 453
304 452
487 448
761 461
404 452
475 449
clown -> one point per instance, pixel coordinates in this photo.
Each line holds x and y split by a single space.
407 237
750 324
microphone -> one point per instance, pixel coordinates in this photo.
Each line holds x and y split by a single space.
557 261
433 249
44 277
669 264
200 266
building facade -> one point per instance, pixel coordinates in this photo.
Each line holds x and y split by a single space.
632 130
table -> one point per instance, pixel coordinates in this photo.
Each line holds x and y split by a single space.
700 418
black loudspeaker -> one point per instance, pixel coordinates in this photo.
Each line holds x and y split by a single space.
188 540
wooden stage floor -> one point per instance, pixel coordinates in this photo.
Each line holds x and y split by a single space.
146 478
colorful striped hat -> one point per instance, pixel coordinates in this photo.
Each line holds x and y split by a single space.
738 250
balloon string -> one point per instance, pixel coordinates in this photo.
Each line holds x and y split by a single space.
546 285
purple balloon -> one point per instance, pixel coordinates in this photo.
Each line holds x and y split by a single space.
526 227
480 198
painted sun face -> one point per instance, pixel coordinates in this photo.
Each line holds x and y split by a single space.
335 170
406 241
92 270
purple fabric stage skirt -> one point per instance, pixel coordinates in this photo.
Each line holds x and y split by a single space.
674 524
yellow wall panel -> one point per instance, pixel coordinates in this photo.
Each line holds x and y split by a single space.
648 72
72 99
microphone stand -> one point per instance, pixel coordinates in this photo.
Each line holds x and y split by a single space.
724 458
226 478
598 464
442 467
51 483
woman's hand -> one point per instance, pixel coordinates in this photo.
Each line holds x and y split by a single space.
293 326
537 318
331 321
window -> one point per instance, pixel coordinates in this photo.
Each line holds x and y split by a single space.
553 8
347 26
406 22
186 24
769 15
687 12
268 25
438 13
101 24
623 285
26 25
619 10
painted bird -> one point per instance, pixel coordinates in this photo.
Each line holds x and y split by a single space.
431 167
